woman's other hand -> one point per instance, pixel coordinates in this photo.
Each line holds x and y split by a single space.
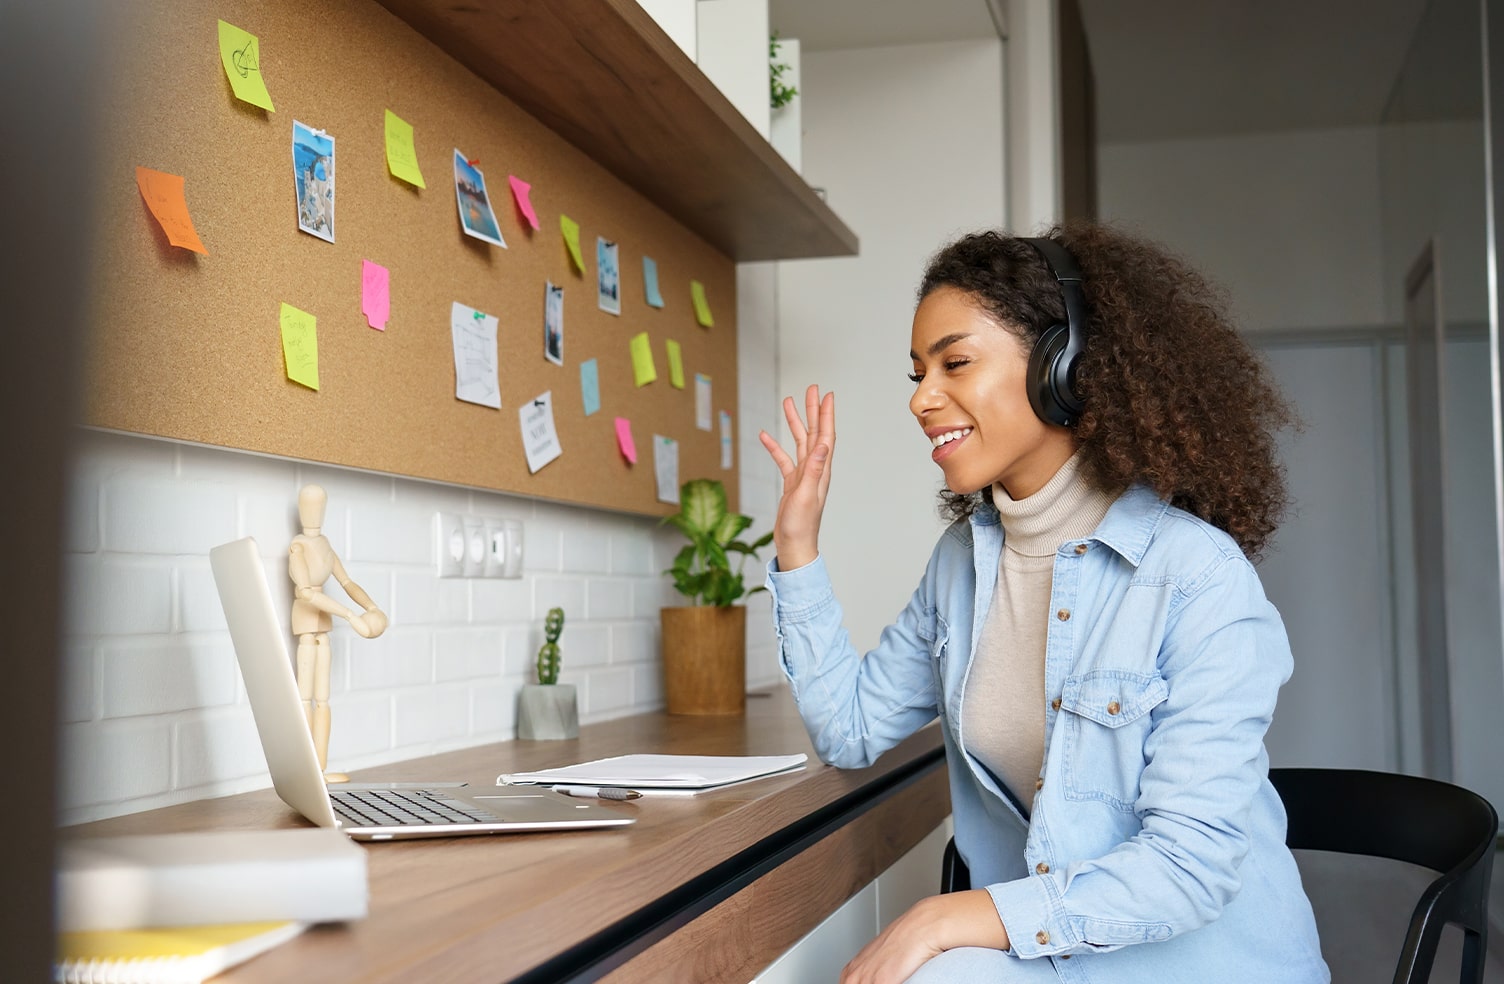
806 478
930 927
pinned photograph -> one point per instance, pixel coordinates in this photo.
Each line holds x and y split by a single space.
313 173
553 323
476 215
608 276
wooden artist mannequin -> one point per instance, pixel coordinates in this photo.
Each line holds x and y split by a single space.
310 562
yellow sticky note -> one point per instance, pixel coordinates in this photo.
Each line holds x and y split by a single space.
643 369
163 194
241 54
675 364
401 155
571 230
300 346
702 306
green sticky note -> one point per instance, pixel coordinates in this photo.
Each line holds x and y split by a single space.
300 346
401 155
571 230
241 54
702 306
675 364
643 369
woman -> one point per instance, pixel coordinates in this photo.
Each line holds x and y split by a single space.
1089 630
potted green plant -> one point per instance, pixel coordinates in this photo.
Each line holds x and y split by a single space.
705 642
548 708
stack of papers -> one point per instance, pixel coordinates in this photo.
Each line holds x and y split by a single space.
662 775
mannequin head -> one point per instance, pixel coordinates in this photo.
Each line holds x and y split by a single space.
311 502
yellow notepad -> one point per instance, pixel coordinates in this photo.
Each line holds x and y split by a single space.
186 955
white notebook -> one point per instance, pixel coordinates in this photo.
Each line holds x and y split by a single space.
662 775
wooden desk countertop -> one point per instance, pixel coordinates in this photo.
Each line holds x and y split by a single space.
749 869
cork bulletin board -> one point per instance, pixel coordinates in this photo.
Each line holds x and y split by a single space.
189 346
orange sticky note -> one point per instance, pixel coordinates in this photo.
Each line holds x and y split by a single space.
300 346
624 439
520 191
164 196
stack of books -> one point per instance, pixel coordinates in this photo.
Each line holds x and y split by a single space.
183 907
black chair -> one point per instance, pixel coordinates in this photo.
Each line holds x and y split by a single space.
1433 824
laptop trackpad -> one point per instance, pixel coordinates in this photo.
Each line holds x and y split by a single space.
537 807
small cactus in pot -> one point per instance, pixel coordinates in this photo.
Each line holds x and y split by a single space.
548 708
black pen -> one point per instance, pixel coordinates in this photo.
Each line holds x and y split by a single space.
599 792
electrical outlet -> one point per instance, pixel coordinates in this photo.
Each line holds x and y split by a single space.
496 547
449 540
475 547
511 561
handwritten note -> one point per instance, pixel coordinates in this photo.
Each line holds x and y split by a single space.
401 154
571 230
540 442
666 468
650 281
474 338
300 346
241 54
702 306
624 439
163 194
725 441
590 386
675 364
375 294
520 193
702 401
643 370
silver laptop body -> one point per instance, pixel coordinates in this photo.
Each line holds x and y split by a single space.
364 811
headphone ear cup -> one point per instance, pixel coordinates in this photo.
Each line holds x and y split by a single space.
1047 377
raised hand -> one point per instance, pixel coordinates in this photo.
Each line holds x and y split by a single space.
806 477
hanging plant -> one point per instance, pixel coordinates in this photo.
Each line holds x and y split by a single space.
781 93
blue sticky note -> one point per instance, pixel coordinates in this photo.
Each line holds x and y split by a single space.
590 386
650 281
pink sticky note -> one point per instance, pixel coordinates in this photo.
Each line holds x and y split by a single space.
375 294
624 439
520 189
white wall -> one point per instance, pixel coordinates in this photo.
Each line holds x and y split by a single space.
733 53
1289 223
908 142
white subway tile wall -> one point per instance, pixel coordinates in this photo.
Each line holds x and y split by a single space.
153 709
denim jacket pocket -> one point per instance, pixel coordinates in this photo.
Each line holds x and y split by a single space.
1107 724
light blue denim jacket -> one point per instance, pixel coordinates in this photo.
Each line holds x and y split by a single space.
1154 821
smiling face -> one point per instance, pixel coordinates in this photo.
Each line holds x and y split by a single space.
972 400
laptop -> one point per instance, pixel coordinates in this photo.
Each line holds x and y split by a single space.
364 811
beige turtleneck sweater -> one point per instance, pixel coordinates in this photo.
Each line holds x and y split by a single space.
1003 707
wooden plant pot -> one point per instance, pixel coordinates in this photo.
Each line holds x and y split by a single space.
547 711
705 659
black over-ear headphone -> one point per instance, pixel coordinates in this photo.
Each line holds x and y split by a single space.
1052 361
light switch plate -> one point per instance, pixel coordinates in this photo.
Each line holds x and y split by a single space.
511 565
496 547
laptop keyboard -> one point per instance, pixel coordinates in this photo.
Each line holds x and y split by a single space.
403 808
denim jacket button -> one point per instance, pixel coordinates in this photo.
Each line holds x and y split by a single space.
1042 868
1042 938
1113 707
1055 704
1081 548
1064 614
1039 784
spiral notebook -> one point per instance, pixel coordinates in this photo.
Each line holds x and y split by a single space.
187 955
662 775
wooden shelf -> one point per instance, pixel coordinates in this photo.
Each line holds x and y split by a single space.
604 76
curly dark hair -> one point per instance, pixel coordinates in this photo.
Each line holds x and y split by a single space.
1174 398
